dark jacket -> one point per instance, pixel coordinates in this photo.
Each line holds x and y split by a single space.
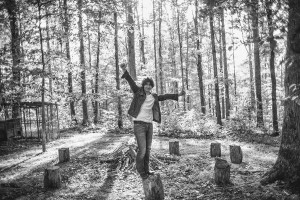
140 96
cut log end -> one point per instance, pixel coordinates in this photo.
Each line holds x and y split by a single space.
215 150
52 177
222 172
236 154
63 155
153 188
174 147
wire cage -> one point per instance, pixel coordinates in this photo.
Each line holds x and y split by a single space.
28 124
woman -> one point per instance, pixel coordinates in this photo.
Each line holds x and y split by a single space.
144 109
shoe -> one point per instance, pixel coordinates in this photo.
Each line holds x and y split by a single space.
150 173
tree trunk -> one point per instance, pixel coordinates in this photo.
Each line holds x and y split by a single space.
288 162
221 70
236 154
215 150
43 81
52 178
12 9
199 62
180 52
120 121
174 147
160 58
272 66
154 46
70 78
141 36
130 36
49 67
153 188
226 80
252 92
255 29
63 155
187 66
85 117
96 110
213 46
222 172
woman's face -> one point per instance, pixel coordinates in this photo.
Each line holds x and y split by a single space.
147 87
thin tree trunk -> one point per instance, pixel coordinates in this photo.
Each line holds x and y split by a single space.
180 53
272 66
141 36
43 81
217 92
252 92
130 36
259 110
70 77
12 9
187 66
288 163
221 70
160 59
199 62
120 121
96 110
154 46
233 60
85 116
226 79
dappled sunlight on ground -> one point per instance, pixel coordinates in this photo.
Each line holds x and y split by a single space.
86 176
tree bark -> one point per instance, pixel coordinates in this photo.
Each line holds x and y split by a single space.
160 58
85 117
288 162
52 178
199 62
12 9
63 155
213 45
226 80
130 36
154 46
70 77
120 121
96 110
255 29
174 147
222 172
215 150
180 52
43 81
236 154
272 65
221 70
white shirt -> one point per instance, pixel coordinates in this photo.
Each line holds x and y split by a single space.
146 114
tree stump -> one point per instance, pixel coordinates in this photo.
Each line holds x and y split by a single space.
52 177
236 154
153 188
215 150
64 155
174 147
222 172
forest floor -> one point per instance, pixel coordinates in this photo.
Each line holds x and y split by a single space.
85 176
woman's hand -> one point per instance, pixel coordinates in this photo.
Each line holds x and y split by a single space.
123 67
182 93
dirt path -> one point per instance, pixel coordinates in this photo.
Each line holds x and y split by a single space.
86 177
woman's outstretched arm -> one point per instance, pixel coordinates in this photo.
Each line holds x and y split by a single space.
129 79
